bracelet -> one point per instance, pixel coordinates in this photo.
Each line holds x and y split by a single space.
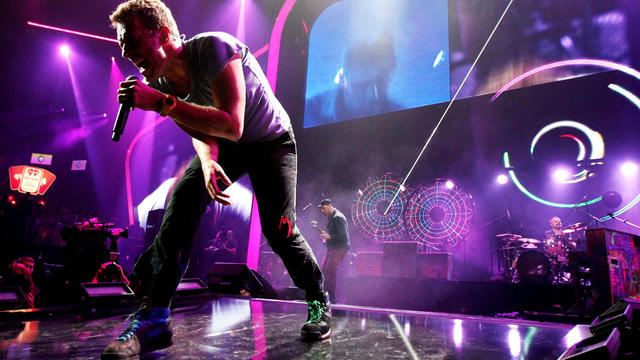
168 103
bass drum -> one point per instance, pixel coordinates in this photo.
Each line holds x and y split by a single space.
533 267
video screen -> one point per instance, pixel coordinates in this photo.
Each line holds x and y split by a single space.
367 59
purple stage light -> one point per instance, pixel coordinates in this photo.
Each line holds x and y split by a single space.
449 184
502 179
629 168
64 50
560 175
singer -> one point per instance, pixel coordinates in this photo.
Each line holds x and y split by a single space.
214 90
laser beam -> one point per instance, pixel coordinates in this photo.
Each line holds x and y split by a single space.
79 33
450 103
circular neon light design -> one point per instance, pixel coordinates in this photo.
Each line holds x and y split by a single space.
524 190
597 143
437 215
368 210
596 149
595 139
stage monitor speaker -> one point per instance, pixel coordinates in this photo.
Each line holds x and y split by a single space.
602 347
107 290
191 286
11 297
237 278
437 265
399 258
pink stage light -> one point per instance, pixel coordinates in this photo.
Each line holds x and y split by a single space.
71 32
582 62
449 184
502 179
629 168
64 50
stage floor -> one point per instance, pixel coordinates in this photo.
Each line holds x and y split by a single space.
244 328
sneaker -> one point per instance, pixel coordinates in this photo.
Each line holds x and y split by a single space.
318 325
149 330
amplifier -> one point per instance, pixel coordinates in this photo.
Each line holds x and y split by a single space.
369 263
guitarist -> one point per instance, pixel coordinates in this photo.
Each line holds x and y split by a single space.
336 238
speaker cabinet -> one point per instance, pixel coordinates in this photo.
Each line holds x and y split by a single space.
399 259
106 290
369 263
437 265
236 279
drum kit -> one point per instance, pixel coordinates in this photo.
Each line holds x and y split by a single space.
527 260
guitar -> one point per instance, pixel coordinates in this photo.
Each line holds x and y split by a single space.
314 223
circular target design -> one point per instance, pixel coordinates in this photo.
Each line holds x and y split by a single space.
369 209
439 214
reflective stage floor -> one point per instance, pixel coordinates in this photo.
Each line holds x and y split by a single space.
244 328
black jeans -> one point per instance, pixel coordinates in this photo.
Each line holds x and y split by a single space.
272 168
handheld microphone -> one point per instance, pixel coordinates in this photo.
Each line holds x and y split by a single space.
123 114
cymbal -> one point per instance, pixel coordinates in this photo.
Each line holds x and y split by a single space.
529 240
528 246
509 235
576 226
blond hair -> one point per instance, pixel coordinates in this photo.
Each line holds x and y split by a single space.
153 15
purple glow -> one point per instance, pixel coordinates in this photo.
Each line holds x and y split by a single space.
514 341
593 62
240 31
449 184
457 333
127 164
502 179
71 32
259 337
274 43
629 168
64 50
255 233
560 175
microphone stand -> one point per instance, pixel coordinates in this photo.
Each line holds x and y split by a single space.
623 221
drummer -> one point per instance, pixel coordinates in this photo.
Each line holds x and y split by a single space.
557 237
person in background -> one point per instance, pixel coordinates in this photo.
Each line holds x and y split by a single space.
336 238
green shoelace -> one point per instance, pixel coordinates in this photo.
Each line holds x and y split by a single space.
316 310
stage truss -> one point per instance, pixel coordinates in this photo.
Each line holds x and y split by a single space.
368 209
439 215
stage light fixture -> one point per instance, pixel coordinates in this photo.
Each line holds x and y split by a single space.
560 175
502 179
629 168
64 50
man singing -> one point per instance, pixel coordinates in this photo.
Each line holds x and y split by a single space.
214 90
